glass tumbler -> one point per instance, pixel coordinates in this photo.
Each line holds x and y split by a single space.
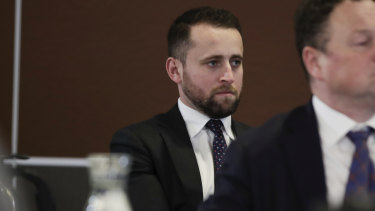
108 178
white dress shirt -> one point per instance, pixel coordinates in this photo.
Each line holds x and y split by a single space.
337 148
202 139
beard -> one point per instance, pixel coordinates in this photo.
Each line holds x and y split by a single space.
214 108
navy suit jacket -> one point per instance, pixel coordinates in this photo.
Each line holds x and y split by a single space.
165 174
276 167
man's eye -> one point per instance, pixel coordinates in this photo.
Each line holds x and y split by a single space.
212 63
363 43
236 62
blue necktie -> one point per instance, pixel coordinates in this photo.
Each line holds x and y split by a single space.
361 182
219 146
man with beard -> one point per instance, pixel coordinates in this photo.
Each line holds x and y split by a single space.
176 154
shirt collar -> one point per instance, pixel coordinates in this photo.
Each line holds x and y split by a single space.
195 120
333 125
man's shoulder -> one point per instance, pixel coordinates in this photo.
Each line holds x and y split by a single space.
150 133
278 128
142 126
152 124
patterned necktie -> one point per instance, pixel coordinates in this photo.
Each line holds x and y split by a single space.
219 146
361 182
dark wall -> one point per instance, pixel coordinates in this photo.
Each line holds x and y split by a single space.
91 67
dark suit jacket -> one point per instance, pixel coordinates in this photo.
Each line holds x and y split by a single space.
276 167
165 174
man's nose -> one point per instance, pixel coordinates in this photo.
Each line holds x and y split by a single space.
227 75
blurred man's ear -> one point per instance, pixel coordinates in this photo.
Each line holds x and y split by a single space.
174 69
312 58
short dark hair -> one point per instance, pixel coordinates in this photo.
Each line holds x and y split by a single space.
179 32
310 23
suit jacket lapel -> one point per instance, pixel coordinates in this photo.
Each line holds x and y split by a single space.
181 151
304 156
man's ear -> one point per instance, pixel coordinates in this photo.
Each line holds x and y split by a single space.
174 69
313 58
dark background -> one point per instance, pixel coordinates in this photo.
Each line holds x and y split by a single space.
91 67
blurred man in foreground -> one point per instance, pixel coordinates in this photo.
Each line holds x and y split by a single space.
323 152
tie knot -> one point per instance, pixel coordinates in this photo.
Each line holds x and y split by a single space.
359 137
214 125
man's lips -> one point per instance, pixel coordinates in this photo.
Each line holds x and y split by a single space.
225 92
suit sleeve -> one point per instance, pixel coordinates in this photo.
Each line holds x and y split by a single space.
144 189
232 189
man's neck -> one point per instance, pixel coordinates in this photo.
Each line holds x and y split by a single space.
359 110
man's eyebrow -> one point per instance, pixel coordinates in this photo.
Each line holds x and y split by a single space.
216 57
219 57
237 56
363 31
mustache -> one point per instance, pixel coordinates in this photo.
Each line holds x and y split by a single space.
225 88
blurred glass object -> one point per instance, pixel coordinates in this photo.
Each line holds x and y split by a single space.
7 200
108 179
7 197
